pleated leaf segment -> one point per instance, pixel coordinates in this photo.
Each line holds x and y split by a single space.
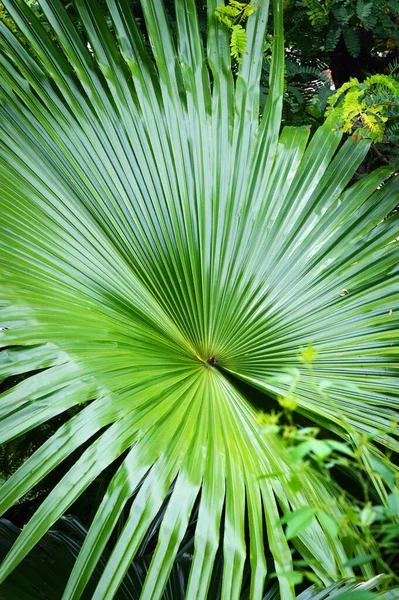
161 240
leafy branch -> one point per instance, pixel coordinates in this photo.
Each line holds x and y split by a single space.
234 16
363 109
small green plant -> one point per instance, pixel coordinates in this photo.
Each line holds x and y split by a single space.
371 527
368 515
234 16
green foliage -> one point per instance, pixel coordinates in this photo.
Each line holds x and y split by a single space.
366 108
374 523
318 10
14 454
234 16
49 564
56 552
352 41
332 39
363 10
307 89
317 25
36 9
388 148
238 41
173 261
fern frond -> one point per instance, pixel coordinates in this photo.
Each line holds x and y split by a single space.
393 68
393 7
383 81
238 42
363 9
317 11
352 41
232 16
332 38
294 69
339 94
375 123
342 15
393 129
228 10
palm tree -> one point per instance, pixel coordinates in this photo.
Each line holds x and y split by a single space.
167 255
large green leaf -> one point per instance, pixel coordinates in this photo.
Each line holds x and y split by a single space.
34 578
161 241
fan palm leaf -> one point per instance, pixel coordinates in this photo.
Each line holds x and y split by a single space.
61 545
160 242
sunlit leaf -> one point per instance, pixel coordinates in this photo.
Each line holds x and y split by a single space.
359 560
297 521
167 253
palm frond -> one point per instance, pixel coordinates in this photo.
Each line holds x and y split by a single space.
159 243
56 553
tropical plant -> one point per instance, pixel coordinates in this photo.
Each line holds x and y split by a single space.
169 264
307 89
371 109
389 147
366 107
355 37
56 552
347 17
